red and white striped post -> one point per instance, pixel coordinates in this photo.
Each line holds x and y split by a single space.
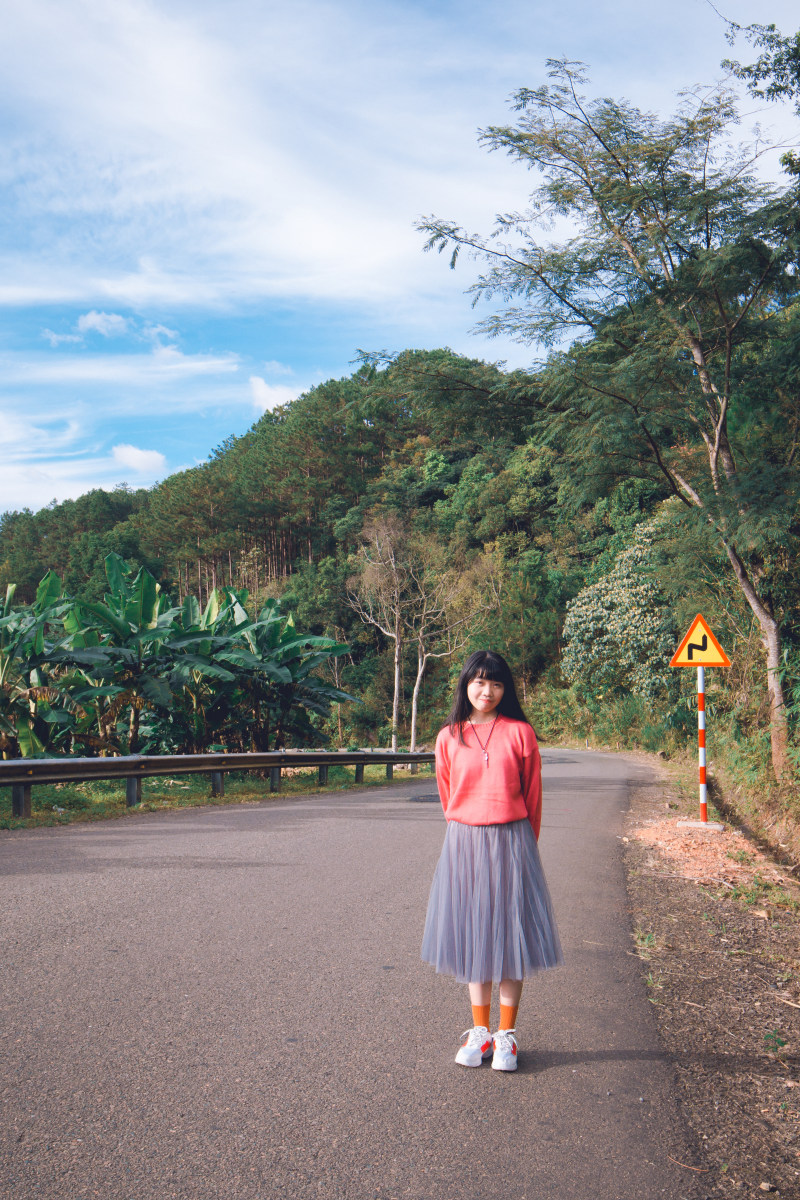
699 648
701 740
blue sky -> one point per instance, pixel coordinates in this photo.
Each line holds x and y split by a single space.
208 207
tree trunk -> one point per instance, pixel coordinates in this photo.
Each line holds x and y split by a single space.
778 724
771 641
337 683
133 730
398 647
422 659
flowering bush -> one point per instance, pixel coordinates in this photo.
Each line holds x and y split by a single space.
619 634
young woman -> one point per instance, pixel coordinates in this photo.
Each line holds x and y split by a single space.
489 914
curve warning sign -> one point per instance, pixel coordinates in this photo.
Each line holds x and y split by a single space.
700 648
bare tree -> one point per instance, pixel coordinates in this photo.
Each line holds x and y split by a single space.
443 608
378 592
406 590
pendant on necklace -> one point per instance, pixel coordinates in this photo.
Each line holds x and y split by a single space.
484 745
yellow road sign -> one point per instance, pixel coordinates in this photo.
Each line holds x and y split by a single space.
700 648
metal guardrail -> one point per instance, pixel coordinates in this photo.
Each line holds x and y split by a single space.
21 774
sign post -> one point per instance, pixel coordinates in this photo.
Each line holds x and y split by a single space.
701 740
701 649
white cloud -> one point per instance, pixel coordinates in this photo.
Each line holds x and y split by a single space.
277 368
58 339
155 334
70 463
267 396
143 462
34 484
209 175
164 363
108 324
21 435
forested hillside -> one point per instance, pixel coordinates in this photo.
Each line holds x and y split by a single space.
575 516
445 461
431 452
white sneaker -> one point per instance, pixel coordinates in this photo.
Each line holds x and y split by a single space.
505 1051
476 1047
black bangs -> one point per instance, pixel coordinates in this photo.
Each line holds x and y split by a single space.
487 664
486 673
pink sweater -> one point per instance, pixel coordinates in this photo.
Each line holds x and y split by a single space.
509 789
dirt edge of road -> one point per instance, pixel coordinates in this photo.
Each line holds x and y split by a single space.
716 925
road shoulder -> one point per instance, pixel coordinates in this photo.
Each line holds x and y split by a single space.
716 925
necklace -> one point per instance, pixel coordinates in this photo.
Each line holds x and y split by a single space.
484 745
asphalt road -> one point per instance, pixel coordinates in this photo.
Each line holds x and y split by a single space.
229 1004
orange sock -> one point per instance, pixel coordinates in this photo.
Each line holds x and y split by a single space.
481 1014
508 1016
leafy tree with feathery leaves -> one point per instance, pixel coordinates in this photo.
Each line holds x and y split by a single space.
677 284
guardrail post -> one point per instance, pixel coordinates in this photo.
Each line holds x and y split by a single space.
359 772
133 790
389 771
414 768
20 800
274 779
323 775
217 783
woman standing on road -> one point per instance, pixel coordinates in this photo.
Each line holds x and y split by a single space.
489 914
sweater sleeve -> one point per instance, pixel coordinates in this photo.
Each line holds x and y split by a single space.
443 769
531 780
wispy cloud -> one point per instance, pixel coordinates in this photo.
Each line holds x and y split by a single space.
278 368
23 436
64 479
208 175
213 170
61 339
161 364
107 324
46 458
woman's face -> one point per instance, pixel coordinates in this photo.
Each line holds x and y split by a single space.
484 695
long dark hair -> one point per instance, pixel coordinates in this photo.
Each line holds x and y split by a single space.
484 664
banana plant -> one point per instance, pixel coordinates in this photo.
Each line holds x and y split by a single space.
276 667
122 647
207 695
136 673
247 684
36 713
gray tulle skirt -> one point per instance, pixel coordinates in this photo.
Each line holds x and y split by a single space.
489 913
